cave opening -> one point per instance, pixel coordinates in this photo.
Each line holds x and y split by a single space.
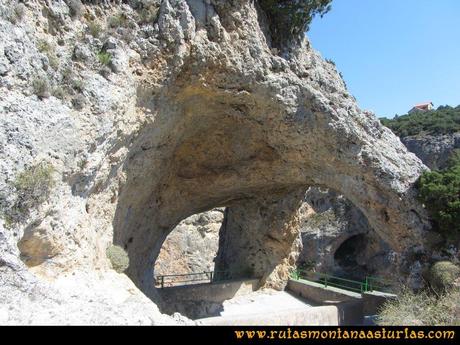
347 257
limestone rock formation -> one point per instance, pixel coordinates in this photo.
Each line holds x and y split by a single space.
192 246
261 236
433 150
337 239
152 111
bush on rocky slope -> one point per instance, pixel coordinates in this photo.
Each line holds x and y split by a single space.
442 276
118 258
41 87
33 187
421 309
104 58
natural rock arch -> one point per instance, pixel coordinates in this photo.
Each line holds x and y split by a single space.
197 109
235 125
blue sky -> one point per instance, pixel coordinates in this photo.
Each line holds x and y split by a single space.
394 53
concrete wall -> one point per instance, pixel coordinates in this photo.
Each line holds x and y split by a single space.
309 316
202 300
318 294
345 313
349 305
373 301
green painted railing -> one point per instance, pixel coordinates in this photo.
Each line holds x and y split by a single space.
368 284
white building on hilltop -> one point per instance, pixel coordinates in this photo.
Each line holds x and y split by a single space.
422 107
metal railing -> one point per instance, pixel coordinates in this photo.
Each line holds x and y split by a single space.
368 284
168 280
380 284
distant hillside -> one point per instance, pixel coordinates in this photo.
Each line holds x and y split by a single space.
444 120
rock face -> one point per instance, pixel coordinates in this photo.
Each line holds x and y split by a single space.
192 246
433 150
337 239
150 117
259 237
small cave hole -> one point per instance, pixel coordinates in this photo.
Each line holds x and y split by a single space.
346 257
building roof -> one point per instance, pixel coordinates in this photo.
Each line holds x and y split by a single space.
423 105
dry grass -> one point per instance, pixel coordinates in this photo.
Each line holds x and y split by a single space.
33 187
442 275
423 308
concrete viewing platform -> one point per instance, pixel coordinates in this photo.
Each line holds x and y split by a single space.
303 302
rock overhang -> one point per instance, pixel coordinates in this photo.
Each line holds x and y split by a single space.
231 122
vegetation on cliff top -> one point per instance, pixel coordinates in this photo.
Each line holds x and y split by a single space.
290 18
443 120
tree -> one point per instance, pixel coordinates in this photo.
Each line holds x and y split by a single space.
290 18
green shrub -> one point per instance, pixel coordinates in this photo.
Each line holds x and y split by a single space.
44 46
443 120
290 18
53 61
95 29
33 187
59 92
104 58
118 258
439 191
442 275
41 87
118 20
77 84
49 50
421 309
